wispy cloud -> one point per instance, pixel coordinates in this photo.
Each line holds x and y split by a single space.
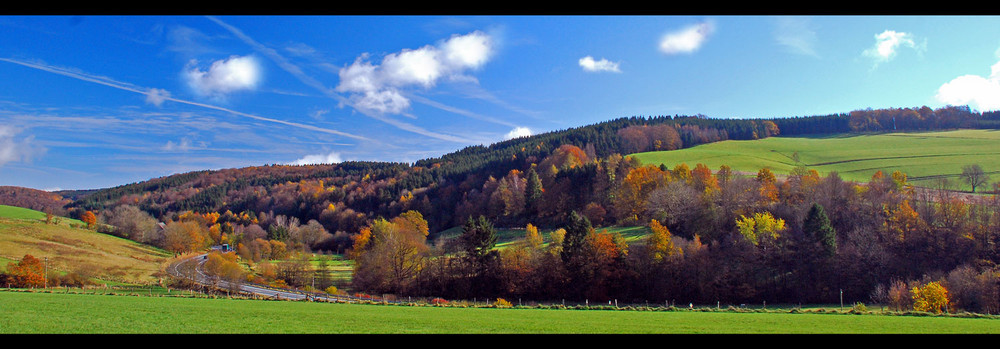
686 40
590 65
17 149
160 96
887 44
797 35
182 146
367 98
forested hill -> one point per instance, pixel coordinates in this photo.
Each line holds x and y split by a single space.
537 179
354 191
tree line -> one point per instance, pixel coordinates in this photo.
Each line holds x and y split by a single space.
715 237
549 180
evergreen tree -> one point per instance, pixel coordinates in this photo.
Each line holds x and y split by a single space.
478 239
577 228
816 227
533 193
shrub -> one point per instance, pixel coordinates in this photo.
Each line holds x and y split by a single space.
501 303
439 301
279 283
332 290
931 298
859 308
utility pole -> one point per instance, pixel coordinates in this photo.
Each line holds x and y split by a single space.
45 272
841 299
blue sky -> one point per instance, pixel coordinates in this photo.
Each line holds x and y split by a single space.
93 102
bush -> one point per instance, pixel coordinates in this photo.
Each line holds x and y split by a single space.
439 301
859 308
502 303
332 290
932 297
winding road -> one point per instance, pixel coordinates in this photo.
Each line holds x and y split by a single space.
192 269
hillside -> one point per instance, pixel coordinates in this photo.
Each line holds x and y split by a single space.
34 199
924 157
70 248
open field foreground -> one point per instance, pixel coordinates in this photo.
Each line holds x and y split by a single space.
922 156
26 312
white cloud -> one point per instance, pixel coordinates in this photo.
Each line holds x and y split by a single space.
796 35
156 96
887 44
183 146
331 158
12 149
224 76
589 64
378 87
518 132
981 93
686 40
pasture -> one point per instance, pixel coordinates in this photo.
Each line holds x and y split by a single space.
924 157
71 249
58 313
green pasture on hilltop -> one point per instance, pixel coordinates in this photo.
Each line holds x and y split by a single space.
32 215
923 156
57 313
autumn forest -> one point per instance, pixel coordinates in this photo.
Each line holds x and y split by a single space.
714 234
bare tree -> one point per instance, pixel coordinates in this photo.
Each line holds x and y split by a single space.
974 176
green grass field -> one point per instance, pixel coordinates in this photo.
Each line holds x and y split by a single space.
15 212
25 312
922 156
509 237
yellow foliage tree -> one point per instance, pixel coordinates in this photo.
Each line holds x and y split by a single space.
532 238
760 227
902 220
933 297
768 186
661 242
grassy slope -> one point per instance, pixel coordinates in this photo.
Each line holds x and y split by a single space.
23 231
922 156
509 237
22 312
29 214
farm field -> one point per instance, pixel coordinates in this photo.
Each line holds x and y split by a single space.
922 156
507 237
76 249
27 312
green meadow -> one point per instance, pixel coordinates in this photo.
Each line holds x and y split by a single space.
924 156
57 313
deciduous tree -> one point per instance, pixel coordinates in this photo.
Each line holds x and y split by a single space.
932 297
89 218
29 272
974 176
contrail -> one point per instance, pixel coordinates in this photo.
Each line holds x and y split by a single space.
127 87
310 81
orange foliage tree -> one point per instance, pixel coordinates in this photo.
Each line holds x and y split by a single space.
29 272
89 218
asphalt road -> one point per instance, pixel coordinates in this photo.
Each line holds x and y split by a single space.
192 269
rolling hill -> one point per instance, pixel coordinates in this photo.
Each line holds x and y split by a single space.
923 156
71 248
